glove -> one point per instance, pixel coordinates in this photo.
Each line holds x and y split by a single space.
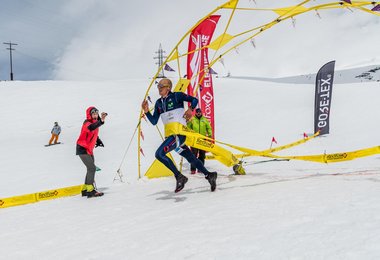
99 143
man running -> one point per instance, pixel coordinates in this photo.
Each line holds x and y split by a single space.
171 109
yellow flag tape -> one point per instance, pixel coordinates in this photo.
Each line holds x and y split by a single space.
333 157
202 142
320 158
226 157
250 152
229 159
39 196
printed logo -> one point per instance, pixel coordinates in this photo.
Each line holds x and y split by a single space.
1 203
207 97
170 104
204 143
336 156
47 194
323 100
207 109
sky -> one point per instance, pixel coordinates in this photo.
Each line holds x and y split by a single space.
102 40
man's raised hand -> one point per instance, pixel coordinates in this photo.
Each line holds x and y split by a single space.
145 106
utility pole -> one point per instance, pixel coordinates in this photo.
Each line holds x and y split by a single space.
10 55
160 56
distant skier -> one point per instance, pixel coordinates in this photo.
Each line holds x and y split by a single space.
88 139
55 132
171 109
201 125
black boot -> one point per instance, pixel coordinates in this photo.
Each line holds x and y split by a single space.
181 180
84 193
211 177
94 193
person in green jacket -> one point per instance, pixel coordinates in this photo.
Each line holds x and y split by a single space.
199 124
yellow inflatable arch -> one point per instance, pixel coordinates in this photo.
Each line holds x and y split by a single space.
223 44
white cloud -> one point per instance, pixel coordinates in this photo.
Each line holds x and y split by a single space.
121 41
116 39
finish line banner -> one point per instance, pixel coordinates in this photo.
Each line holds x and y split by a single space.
323 94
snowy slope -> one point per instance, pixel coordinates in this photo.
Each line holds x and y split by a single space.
360 74
279 210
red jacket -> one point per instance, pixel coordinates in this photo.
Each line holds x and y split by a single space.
87 138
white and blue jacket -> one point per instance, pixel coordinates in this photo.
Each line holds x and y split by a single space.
171 108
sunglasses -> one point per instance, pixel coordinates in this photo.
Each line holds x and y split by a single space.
94 110
162 85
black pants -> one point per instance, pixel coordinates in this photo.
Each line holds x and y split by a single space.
176 143
89 162
200 154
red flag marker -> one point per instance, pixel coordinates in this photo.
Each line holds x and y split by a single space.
142 135
273 141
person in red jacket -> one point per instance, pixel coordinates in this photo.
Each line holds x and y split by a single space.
88 139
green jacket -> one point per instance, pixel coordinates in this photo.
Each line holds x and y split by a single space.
201 125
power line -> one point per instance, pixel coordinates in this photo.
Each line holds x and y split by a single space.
10 56
160 58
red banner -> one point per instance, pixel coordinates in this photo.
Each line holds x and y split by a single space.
197 67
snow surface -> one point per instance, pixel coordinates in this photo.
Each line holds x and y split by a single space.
279 210
369 73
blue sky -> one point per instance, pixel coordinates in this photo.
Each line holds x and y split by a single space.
116 39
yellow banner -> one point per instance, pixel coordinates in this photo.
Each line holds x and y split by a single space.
333 157
17 200
44 195
202 142
59 193
229 159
